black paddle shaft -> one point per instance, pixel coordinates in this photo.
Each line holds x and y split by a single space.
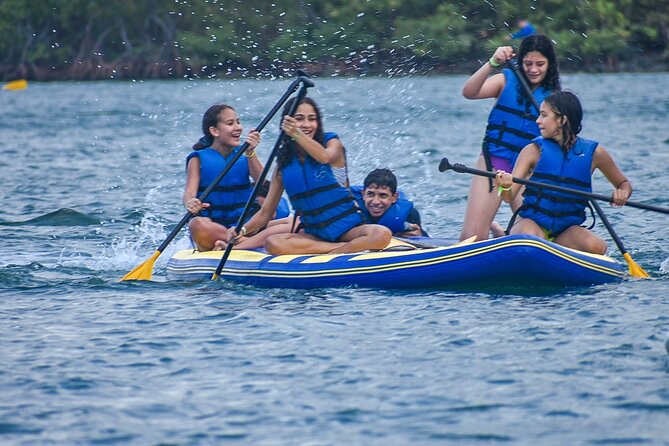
514 67
444 165
609 227
291 89
306 83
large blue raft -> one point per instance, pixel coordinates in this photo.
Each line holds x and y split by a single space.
516 260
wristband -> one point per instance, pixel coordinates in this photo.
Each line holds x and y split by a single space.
501 189
242 231
493 63
253 153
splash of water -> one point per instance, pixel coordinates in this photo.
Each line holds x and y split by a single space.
664 266
127 252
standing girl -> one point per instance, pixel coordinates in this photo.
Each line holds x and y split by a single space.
221 141
511 124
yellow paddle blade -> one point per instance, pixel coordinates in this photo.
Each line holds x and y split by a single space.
635 270
19 84
143 271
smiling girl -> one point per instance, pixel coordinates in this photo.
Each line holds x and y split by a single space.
222 131
311 167
560 157
511 123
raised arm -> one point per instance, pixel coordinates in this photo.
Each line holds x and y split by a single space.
332 153
481 85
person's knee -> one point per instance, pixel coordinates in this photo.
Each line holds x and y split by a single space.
194 224
274 245
596 245
197 226
381 237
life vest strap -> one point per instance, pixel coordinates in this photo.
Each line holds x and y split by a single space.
312 192
352 210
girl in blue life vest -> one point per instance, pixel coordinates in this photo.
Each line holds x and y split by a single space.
511 123
307 167
560 157
222 136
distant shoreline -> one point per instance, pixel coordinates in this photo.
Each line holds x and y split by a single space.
329 68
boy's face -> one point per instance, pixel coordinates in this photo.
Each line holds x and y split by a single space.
378 199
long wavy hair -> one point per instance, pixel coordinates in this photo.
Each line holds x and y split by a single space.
210 119
289 147
543 45
566 103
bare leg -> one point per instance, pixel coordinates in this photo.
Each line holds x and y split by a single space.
496 229
363 238
297 243
206 232
258 240
527 226
360 238
482 205
578 237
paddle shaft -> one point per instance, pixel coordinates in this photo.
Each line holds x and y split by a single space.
461 168
609 227
514 67
291 89
242 218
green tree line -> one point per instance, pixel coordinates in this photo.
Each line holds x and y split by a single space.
123 39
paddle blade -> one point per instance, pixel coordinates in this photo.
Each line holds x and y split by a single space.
143 271
19 84
635 270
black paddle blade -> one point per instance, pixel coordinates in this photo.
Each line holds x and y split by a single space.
444 165
304 78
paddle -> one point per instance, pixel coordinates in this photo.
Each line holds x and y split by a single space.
306 83
143 271
444 165
635 269
19 84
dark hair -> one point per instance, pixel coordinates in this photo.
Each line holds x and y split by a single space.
382 178
566 103
210 119
263 190
544 45
289 147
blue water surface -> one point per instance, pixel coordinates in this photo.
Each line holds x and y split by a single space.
92 176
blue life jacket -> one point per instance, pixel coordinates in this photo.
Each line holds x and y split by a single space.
552 210
395 216
229 197
512 126
326 209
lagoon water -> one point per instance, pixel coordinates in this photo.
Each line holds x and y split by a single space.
92 175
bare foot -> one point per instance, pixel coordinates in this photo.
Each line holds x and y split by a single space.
219 245
497 230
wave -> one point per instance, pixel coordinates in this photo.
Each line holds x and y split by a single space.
61 217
